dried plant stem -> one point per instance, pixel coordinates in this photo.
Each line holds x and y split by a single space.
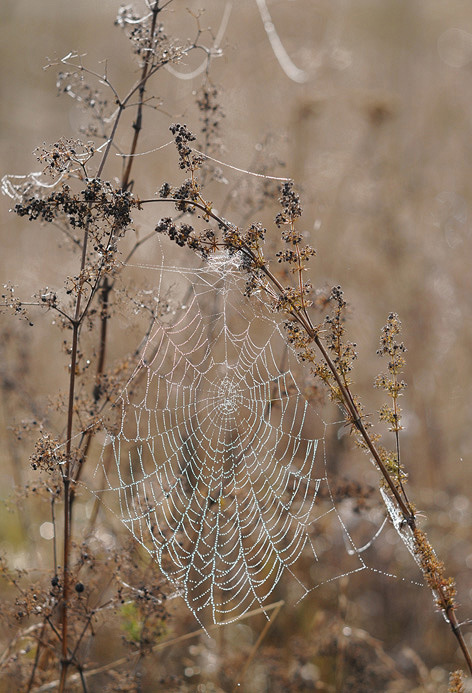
432 569
105 288
66 475
302 317
137 125
39 640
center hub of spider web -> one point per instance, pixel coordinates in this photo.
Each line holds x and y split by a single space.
227 397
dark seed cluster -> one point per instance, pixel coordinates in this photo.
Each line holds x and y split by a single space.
290 201
182 234
98 201
182 136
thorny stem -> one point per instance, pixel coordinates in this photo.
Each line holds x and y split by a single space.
439 589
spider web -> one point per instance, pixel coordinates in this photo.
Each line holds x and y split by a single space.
218 463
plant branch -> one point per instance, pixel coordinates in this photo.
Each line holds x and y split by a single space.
442 588
67 469
137 125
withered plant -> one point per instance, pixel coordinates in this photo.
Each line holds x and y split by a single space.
53 623
58 620
323 346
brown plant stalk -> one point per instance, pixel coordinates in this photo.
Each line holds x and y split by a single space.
66 477
103 286
443 588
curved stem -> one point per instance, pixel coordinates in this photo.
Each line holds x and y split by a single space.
311 331
439 587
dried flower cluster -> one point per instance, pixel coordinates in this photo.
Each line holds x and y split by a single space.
337 354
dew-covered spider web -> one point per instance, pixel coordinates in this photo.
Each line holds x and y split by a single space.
218 464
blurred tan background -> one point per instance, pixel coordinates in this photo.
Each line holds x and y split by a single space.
378 139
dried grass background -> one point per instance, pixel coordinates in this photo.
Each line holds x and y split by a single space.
378 141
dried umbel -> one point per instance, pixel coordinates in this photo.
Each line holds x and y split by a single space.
69 156
147 36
